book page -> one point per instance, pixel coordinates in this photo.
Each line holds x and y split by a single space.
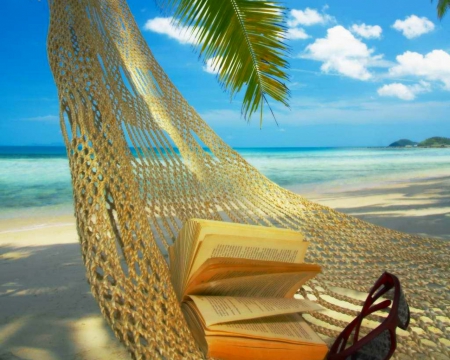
266 285
196 326
195 231
216 269
289 328
213 246
221 309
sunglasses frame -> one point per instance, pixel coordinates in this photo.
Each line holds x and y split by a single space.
384 283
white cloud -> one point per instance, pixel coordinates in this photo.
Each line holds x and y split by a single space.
434 66
212 66
296 34
316 111
166 26
222 116
308 17
404 92
45 118
305 17
413 26
341 52
296 85
367 31
397 90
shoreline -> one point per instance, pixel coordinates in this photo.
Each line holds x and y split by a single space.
420 195
418 206
408 192
49 313
316 190
369 183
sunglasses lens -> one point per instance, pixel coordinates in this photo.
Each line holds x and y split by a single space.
403 311
376 349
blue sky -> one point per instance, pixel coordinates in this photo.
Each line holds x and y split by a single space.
362 74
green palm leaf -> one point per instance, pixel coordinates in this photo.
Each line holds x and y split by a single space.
245 38
443 6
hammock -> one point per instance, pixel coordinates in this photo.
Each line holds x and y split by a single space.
143 161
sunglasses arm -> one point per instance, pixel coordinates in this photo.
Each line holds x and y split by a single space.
382 305
387 283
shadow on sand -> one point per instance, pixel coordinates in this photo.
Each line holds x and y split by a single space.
413 208
46 308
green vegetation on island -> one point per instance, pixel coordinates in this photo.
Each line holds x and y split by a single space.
403 143
435 141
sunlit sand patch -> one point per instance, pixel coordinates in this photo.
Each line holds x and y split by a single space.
427 342
35 227
40 291
410 212
11 284
90 334
33 353
8 288
340 303
358 295
360 200
15 255
19 235
9 330
387 200
347 318
7 292
72 263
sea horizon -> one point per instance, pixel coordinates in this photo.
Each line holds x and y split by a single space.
62 147
35 179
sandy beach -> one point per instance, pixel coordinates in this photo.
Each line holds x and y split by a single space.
47 311
420 206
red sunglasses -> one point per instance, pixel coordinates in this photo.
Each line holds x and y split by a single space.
381 342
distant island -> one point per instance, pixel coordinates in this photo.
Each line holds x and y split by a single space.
403 143
434 142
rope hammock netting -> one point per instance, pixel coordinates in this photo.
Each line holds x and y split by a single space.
143 161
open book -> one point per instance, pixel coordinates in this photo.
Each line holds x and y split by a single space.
236 285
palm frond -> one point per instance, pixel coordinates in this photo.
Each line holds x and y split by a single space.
245 39
443 6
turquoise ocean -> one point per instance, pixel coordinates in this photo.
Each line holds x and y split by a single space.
36 180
